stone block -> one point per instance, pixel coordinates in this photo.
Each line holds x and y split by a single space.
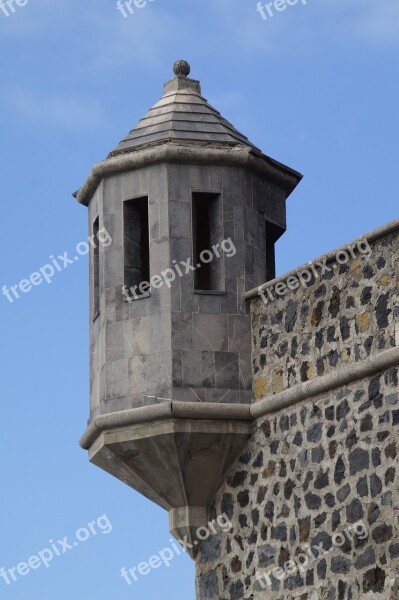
179 187
137 373
134 184
154 220
239 333
158 183
227 370
209 304
139 336
205 178
245 366
176 226
198 369
182 330
112 194
177 368
210 332
116 380
114 341
113 267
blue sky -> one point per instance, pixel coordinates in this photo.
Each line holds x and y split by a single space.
315 87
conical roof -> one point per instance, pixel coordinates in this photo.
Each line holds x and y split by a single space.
182 127
182 114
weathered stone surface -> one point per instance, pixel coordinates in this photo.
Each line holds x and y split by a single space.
354 511
382 533
353 324
208 585
366 559
210 549
358 460
334 507
339 473
330 468
339 564
266 555
374 580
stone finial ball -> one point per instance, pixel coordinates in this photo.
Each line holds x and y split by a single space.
181 67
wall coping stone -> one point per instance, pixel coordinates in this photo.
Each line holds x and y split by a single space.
321 385
224 411
329 257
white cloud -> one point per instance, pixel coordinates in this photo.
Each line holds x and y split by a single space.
33 19
304 28
113 42
62 111
378 21
104 39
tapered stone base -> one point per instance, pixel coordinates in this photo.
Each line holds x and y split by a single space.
184 522
177 463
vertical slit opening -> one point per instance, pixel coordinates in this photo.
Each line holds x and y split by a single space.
207 234
273 233
136 242
96 270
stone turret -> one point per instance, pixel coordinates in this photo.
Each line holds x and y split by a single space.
194 210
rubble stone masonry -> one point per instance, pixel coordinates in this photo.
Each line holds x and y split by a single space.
314 498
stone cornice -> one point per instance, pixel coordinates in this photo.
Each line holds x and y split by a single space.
163 411
170 152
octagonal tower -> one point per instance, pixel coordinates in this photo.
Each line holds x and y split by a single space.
194 210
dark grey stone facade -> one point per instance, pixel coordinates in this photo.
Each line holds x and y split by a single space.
176 343
325 470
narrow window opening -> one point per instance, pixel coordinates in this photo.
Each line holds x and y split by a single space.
136 242
207 234
96 270
273 232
